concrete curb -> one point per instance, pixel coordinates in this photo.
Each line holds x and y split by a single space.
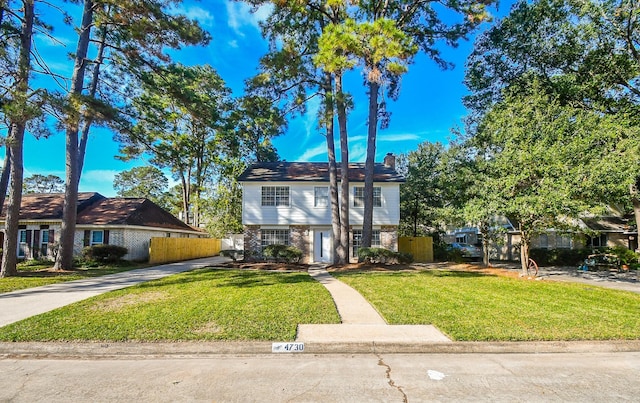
136 350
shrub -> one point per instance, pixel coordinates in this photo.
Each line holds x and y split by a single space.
231 253
104 253
559 257
381 255
626 256
289 254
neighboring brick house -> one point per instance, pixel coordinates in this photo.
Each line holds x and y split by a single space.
128 222
288 203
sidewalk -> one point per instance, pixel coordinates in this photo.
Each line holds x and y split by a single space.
21 304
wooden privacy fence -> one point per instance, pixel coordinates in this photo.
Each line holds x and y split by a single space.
420 247
163 250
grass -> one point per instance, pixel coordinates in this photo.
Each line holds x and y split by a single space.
470 306
204 304
36 273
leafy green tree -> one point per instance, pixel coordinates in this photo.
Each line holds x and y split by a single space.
19 111
180 123
540 159
587 52
43 184
135 35
586 55
146 181
422 196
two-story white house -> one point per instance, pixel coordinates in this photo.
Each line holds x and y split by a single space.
288 203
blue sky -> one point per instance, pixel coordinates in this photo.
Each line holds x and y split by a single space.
428 108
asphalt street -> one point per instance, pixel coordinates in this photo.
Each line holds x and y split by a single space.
566 377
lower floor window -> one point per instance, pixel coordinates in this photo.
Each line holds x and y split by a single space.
274 237
22 243
97 237
597 241
356 242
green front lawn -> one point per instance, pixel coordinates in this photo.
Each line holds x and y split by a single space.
204 304
470 306
37 273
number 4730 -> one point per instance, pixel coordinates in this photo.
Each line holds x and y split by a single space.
287 347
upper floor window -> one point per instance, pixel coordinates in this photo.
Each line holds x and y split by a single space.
275 195
321 196
358 197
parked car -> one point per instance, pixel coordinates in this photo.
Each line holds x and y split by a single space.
467 250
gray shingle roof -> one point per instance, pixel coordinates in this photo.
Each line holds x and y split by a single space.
312 172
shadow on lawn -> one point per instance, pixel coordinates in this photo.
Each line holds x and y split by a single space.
233 278
429 273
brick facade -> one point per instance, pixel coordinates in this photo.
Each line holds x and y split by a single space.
252 241
389 237
300 237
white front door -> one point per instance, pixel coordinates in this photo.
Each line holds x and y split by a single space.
322 246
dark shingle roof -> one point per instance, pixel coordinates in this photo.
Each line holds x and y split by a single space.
609 224
312 172
130 211
95 209
48 206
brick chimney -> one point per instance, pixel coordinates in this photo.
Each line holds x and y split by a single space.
389 161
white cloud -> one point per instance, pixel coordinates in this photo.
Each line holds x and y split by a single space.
357 152
241 15
204 17
400 137
320 149
233 43
99 180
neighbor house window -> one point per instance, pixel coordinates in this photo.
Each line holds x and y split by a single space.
274 237
358 197
461 238
357 240
599 241
563 241
97 237
275 195
321 196
44 242
22 243
543 241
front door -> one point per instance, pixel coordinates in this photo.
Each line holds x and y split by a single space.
322 246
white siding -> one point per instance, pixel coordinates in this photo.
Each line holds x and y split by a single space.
301 210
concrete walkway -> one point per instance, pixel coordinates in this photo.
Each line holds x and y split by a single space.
21 304
360 321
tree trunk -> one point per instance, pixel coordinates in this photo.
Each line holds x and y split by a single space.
484 231
635 198
367 224
4 176
339 255
344 167
15 143
525 243
93 89
69 210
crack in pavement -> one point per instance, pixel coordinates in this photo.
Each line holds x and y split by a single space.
392 383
